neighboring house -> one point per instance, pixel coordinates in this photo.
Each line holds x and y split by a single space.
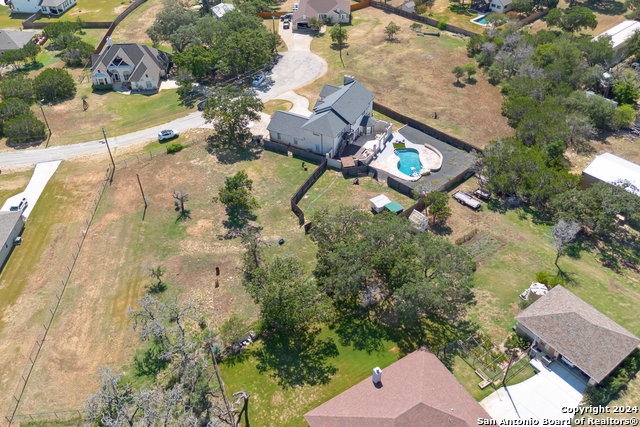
409 6
219 10
610 168
47 7
13 40
11 225
565 327
129 66
335 10
500 6
338 116
417 390
619 36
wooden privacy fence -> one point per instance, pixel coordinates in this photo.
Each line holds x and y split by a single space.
269 15
456 142
529 19
112 25
420 18
304 188
362 4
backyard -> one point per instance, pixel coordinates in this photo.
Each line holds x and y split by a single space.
454 13
412 75
608 13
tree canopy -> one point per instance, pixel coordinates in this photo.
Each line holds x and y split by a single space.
236 193
231 111
572 19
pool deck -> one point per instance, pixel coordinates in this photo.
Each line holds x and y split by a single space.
454 160
387 160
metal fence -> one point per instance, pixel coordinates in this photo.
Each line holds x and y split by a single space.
304 188
11 413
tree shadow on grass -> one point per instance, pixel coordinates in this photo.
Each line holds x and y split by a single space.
229 153
235 222
538 216
459 84
609 7
184 215
297 361
356 328
336 46
148 363
441 229
235 359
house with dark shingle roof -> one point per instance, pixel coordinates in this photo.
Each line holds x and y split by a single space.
416 391
129 66
337 117
565 327
14 40
337 11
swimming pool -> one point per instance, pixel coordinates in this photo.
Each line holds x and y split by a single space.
481 21
409 158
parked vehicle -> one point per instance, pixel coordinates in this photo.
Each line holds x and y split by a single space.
295 6
482 194
167 134
286 25
21 206
201 105
467 200
17 241
258 80
286 15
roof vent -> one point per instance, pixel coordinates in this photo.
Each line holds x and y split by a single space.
109 42
377 376
348 79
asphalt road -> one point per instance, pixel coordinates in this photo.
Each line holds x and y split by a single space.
295 68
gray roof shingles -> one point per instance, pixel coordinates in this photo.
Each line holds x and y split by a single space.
52 3
592 341
325 123
7 223
12 40
350 101
142 59
287 123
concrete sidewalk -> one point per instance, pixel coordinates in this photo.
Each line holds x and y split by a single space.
41 176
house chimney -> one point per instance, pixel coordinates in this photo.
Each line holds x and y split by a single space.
377 375
348 79
109 42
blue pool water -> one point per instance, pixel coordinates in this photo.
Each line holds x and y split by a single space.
408 158
482 21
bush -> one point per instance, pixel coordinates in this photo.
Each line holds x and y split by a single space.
466 237
10 108
174 148
233 330
422 9
78 54
550 281
17 87
516 341
623 117
25 128
54 85
442 26
101 88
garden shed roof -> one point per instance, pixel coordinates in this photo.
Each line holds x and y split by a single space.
394 207
592 341
416 391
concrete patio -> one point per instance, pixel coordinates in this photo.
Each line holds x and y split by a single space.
542 396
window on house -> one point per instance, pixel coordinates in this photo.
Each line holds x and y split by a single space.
343 16
149 85
499 7
278 135
295 141
318 148
322 15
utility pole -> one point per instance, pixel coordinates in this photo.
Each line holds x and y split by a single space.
504 378
109 149
143 198
46 121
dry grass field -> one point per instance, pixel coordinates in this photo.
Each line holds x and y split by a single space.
608 13
91 328
413 76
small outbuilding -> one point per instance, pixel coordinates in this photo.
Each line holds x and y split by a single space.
378 203
610 168
394 207
11 225
418 222
409 6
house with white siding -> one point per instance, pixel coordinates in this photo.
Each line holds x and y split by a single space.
47 7
129 66
340 115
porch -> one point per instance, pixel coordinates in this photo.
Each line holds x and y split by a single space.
556 363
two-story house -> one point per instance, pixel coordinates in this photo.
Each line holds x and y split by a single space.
129 66
341 114
47 7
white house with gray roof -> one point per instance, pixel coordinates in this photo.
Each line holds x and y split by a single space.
338 116
219 10
129 66
14 40
48 7
11 225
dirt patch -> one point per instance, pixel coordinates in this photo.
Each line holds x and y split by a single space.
134 27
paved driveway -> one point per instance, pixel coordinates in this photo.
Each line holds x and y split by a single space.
41 175
541 396
296 68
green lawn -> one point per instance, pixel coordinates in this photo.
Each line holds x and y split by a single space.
91 10
273 404
11 20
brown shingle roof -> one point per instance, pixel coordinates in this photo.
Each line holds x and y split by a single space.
311 8
592 341
417 391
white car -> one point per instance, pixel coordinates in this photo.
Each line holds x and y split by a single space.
259 79
295 6
167 134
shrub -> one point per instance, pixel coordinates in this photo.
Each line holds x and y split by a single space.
550 281
422 9
233 330
102 87
54 84
17 87
78 53
623 117
516 341
25 128
466 237
442 26
174 148
10 108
